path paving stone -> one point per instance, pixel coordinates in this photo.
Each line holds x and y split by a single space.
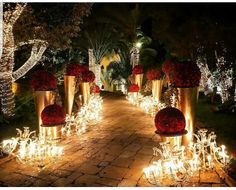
112 153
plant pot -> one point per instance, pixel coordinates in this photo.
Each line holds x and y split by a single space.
51 132
42 99
85 89
157 89
69 86
138 80
187 101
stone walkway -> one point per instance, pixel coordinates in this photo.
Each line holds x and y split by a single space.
113 153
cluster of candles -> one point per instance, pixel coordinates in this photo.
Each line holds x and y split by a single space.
179 163
89 114
30 149
147 103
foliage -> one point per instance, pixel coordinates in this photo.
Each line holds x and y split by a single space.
119 70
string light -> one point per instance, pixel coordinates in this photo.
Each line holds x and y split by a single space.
89 114
32 150
180 163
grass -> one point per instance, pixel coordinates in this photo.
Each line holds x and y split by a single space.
223 124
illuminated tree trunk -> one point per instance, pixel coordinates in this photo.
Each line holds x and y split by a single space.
7 76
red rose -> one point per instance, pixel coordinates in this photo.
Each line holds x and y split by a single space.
53 115
138 69
75 69
94 89
43 81
168 66
133 88
185 74
154 74
88 76
170 121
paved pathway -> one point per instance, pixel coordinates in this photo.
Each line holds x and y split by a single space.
113 153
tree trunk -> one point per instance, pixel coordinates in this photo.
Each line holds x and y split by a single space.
6 67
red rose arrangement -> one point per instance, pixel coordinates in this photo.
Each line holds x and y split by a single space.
88 76
154 74
43 81
94 89
185 75
53 115
138 69
168 66
170 121
75 69
133 88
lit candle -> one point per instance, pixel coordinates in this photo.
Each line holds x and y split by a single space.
223 153
209 160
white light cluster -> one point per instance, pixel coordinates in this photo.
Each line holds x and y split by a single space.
30 149
180 163
89 114
150 106
147 103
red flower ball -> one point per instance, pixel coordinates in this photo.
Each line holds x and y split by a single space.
170 121
138 69
88 76
94 89
186 74
154 74
168 66
43 81
53 115
75 69
133 88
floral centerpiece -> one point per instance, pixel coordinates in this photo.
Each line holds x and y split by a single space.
138 69
134 88
53 117
154 74
170 121
42 84
71 78
138 75
88 76
43 81
185 75
75 69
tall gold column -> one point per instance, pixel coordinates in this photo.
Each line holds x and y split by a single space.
85 89
188 98
157 89
69 87
42 99
51 132
139 80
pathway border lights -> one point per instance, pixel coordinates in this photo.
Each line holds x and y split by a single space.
182 163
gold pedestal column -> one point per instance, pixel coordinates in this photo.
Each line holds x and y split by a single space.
85 89
174 141
42 99
69 86
188 98
157 89
51 132
138 80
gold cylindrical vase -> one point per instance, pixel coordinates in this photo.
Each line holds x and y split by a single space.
69 87
139 80
85 89
51 132
42 99
187 101
157 89
134 94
